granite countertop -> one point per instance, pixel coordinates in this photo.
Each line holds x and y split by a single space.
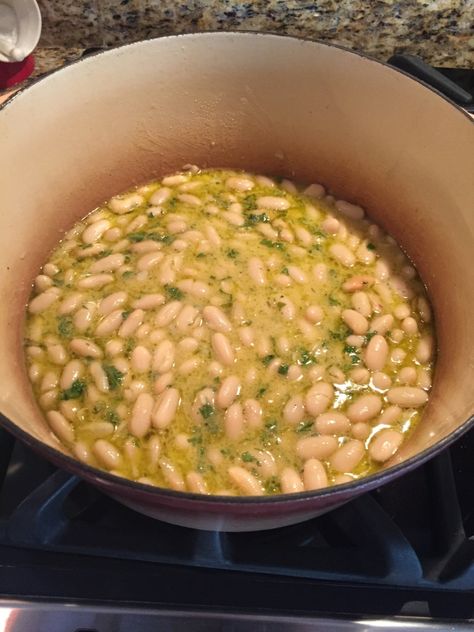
440 31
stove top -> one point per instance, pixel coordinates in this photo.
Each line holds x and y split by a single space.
402 557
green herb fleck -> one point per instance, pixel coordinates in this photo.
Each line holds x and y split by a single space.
261 392
174 292
272 244
249 203
283 369
58 282
248 458
333 301
272 485
232 254
201 255
127 274
267 359
207 410
353 353
112 417
371 246
305 426
368 336
129 346
114 376
285 271
305 358
126 314
104 253
257 219
76 390
65 326
339 335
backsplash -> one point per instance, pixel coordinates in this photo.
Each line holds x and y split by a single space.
440 31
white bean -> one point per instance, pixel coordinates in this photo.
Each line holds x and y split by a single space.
95 281
148 261
384 444
94 231
49 399
314 475
163 382
99 376
85 348
381 324
246 335
110 323
172 475
216 319
357 283
239 183
381 380
315 190
186 318
165 408
253 413
256 271
73 371
108 264
149 301
364 408
297 274
122 205
375 356
320 272
228 391
360 375
318 398
60 426
424 349
316 447
332 423
196 483
82 319
348 456
245 481
360 302
407 396
160 196
233 218
407 375
234 422
164 356
131 323
294 410
355 321
342 254
273 203
291 482
57 354
331 225
349 210
141 359
43 301
222 348
140 420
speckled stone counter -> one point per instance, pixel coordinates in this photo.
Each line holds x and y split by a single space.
440 31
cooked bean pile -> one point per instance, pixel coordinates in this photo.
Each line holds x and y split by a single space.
219 333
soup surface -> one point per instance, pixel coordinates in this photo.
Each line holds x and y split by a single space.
217 332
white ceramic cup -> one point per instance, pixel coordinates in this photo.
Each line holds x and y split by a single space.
20 29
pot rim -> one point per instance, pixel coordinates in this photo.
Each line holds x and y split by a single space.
106 479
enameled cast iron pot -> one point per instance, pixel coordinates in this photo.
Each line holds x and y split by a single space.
268 104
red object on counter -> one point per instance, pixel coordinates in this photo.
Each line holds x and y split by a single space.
15 72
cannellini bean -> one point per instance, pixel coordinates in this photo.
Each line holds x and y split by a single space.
186 318
42 301
222 348
140 420
82 452
49 399
382 270
424 309
355 321
110 323
188 345
90 251
82 319
320 273
360 302
122 205
358 283
98 429
60 426
228 391
304 236
331 225
397 335
246 335
50 380
146 246
294 410
43 282
314 314
113 347
149 301
349 210
170 181
187 198
165 408
348 456
94 231
361 430
407 375
332 423
291 482
384 444
99 376
316 447
141 359
188 366
85 348
297 274
381 380
314 475
315 190
253 413
424 378
234 422
153 448
95 281
164 356
318 398
410 326
424 349
57 354
108 264
131 323
389 415
112 234
233 218
35 352
216 319
407 396
163 382
401 287
73 371
172 475
51 269
196 483
149 260
397 356
283 280
160 196
375 356
382 324
360 375
239 183
34 372
256 270
364 408
245 481
112 302
273 203
342 254
287 307
340 479
287 235
402 311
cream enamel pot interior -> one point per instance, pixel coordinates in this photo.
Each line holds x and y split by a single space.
269 104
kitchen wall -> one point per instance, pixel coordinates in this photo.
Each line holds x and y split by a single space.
440 31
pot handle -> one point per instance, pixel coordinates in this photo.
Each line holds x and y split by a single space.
419 69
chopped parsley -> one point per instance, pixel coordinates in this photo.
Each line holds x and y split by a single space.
174 292
272 244
76 390
305 358
371 246
127 274
283 369
341 334
232 254
272 485
268 435
305 426
65 326
112 417
249 203
333 301
142 236
248 458
353 353
126 314
114 376
368 336
257 219
207 410
267 359
285 271
261 392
